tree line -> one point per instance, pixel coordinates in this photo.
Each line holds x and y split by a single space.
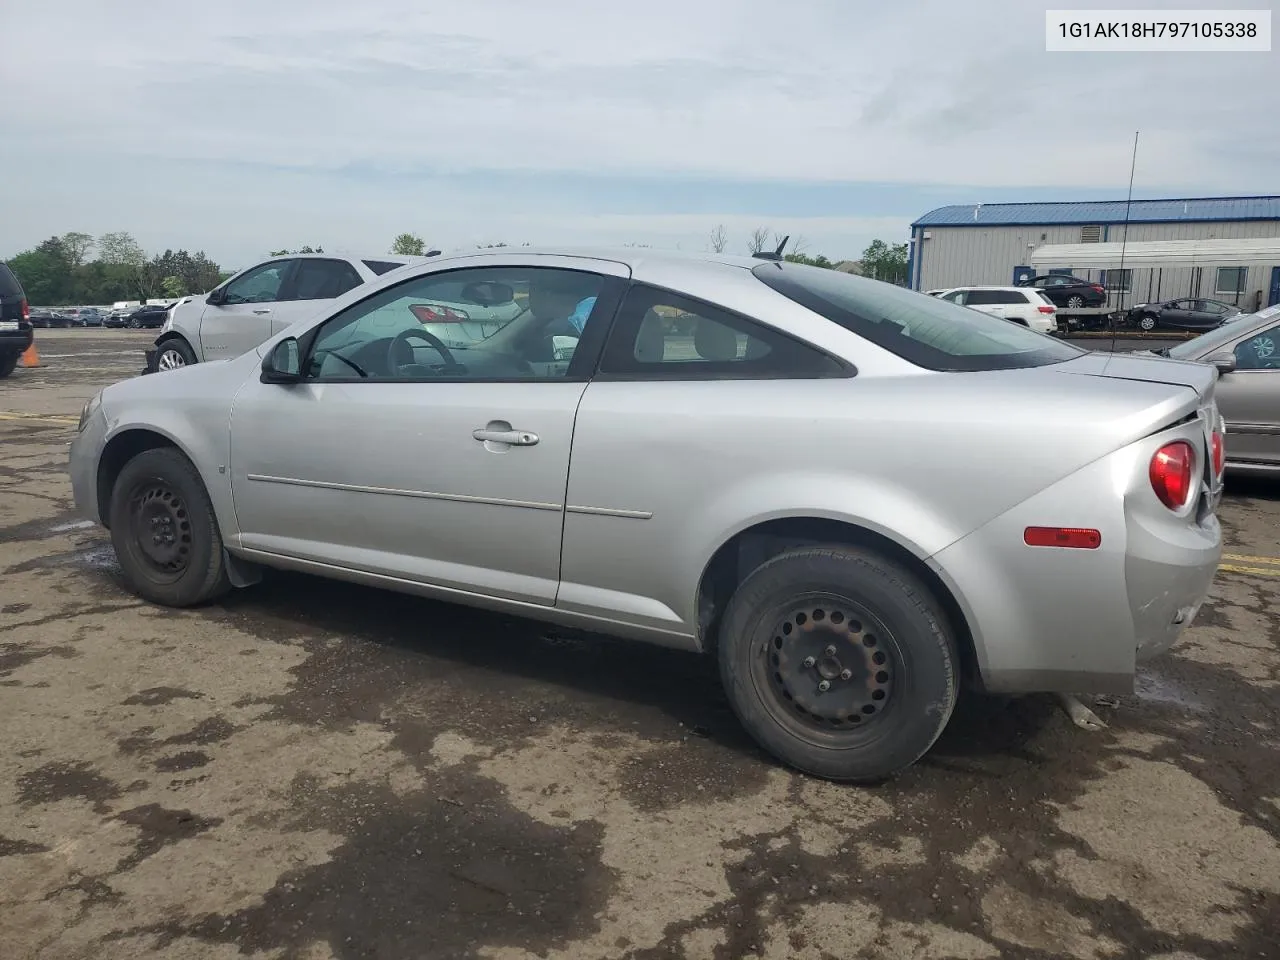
76 268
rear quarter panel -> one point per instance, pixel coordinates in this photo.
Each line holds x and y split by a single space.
924 460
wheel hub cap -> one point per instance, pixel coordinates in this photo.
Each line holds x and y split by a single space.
163 528
831 666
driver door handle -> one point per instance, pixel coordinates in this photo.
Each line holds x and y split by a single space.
514 438
262 310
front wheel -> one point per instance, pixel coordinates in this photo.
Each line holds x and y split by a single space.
1147 322
839 662
174 354
164 530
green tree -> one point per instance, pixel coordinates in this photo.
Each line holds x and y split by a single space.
814 261
885 261
285 253
174 287
409 245
43 275
120 249
76 245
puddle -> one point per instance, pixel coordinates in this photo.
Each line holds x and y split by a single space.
1154 688
77 525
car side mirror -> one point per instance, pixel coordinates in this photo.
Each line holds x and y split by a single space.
283 363
1224 360
216 298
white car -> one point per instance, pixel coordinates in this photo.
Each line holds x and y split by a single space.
1026 306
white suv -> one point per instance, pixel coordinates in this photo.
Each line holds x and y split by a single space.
1022 305
258 303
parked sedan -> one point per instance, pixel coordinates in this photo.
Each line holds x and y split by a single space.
754 491
1068 291
1194 313
1246 351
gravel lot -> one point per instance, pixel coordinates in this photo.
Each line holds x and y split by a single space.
313 770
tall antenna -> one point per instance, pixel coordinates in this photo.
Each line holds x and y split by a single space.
1124 239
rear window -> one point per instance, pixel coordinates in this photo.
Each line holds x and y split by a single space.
9 285
382 266
926 331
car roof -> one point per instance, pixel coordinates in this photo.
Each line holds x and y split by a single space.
980 286
630 256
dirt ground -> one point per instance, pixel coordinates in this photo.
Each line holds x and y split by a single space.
311 770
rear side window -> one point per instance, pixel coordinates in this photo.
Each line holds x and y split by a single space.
663 335
323 279
9 285
382 266
925 331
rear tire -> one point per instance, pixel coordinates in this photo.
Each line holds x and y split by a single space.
7 363
173 354
1075 302
869 629
164 531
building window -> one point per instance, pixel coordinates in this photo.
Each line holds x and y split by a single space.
1231 281
1119 281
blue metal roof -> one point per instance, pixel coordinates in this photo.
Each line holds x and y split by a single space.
1102 212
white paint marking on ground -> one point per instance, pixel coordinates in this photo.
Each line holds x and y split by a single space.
93 353
77 525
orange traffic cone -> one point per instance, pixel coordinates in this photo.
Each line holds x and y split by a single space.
30 356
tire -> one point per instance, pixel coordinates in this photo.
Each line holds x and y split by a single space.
178 352
1075 301
895 666
164 531
1147 322
8 361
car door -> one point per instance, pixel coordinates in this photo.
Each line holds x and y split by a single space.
313 284
1249 399
240 319
986 301
678 377
1177 313
445 467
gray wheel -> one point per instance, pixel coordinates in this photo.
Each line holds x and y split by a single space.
1075 301
1147 322
174 354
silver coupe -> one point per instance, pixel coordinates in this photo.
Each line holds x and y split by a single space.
856 497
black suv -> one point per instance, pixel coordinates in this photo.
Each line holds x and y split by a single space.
148 316
15 321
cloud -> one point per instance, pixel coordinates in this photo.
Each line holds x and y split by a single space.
212 124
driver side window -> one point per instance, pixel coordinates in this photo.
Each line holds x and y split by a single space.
1259 351
260 285
488 323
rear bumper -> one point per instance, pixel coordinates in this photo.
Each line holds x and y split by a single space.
15 341
1046 619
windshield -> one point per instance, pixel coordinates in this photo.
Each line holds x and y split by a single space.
1199 346
927 331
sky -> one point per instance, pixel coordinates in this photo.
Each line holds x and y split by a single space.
242 126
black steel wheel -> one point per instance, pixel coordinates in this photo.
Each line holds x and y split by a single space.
165 532
839 662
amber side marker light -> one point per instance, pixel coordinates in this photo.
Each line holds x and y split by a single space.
1076 537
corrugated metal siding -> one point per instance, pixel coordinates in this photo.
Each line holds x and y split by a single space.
1104 212
954 256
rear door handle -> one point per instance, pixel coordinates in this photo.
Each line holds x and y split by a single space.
514 438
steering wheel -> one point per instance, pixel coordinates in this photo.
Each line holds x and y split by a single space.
404 336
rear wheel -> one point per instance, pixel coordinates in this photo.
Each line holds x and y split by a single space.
7 362
1075 301
173 354
164 530
839 662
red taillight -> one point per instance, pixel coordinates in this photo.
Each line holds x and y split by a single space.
1079 538
437 313
26 309
1172 468
1047 309
1219 454
1097 287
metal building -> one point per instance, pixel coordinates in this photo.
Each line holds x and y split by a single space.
996 243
